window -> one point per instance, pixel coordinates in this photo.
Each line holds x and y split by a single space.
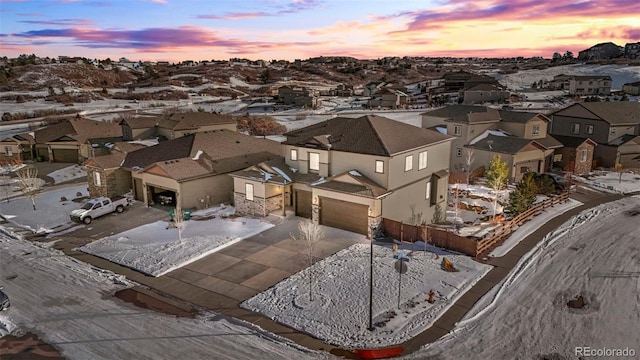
97 206
612 130
524 169
583 155
97 181
459 152
105 202
575 128
248 191
314 161
380 166
536 129
427 194
422 160
408 163
457 130
588 129
294 154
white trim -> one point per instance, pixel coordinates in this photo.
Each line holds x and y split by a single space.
248 191
422 160
408 163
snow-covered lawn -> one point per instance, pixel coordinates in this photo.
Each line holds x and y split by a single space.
339 311
67 174
594 255
156 249
51 209
532 225
625 182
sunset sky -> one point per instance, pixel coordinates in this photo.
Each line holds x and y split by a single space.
176 30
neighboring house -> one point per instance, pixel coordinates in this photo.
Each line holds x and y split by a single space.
388 98
193 169
602 51
521 155
75 140
602 122
175 125
296 96
350 173
590 85
344 90
627 151
105 177
372 88
632 50
631 88
481 93
19 146
575 155
464 122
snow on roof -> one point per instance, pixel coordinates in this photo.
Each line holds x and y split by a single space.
487 133
322 180
354 173
442 130
197 156
267 176
282 173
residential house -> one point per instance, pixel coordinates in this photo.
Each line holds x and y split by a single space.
105 177
521 155
296 96
464 122
75 140
388 98
481 93
17 147
590 85
631 88
193 169
350 173
627 151
632 50
602 51
602 122
343 90
175 125
575 155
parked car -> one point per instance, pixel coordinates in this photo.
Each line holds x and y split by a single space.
95 208
164 198
4 300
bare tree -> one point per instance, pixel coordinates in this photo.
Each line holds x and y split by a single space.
496 179
29 184
310 234
468 160
455 202
178 221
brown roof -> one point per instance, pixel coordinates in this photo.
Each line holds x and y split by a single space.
142 122
353 182
194 120
521 116
612 112
106 162
126 147
89 129
204 153
465 114
52 132
369 134
20 138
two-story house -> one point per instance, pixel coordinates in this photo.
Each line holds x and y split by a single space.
175 125
350 173
602 122
296 96
590 85
481 93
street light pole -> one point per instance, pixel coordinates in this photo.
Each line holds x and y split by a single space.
371 282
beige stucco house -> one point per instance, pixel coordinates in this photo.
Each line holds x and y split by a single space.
175 125
17 147
350 173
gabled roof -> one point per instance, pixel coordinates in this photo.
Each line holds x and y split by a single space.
353 182
203 153
106 162
52 132
572 141
549 142
483 87
612 112
21 138
194 120
369 134
85 129
141 122
125 147
520 116
466 114
504 144
626 138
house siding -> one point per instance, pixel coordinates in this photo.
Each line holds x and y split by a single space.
206 192
435 162
562 126
365 164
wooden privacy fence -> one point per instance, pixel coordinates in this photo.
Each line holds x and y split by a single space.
445 238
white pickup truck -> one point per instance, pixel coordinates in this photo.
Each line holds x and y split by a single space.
97 207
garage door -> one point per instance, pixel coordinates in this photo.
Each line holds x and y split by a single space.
303 203
65 155
344 215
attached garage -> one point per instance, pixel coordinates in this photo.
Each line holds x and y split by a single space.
303 203
65 155
344 215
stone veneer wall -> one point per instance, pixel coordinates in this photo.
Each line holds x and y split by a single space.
98 191
373 223
257 207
